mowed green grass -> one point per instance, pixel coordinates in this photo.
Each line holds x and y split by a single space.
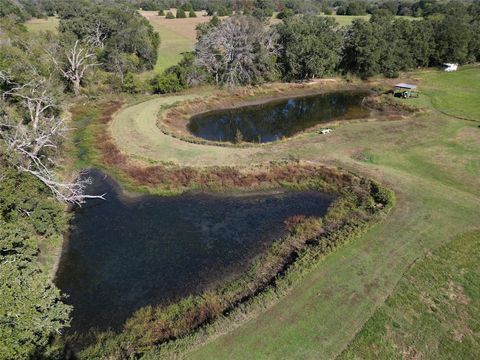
433 313
432 163
48 24
176 36
171 47
454 93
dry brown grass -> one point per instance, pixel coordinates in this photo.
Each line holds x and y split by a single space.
179 178
183 27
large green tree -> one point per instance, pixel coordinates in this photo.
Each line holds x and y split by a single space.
310 47
452 35
115 30
31 310
363 49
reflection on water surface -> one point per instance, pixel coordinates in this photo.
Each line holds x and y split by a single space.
124 254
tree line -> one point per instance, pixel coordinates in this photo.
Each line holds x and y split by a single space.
25 9
37 74
244 50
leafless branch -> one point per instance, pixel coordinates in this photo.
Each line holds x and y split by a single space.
237 51
74 62
35 142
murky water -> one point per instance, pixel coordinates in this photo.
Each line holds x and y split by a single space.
123 254
278 119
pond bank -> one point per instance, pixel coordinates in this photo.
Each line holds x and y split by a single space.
177 120
128 252
361 203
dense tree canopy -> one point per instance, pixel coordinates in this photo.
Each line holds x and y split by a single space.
310 47
31 310
387 45
124 38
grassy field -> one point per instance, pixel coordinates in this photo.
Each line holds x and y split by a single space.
344 20
50 24
176 36
434 311
431 160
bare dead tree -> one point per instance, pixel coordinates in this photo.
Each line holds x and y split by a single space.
239 50
34 141
74 62
97 37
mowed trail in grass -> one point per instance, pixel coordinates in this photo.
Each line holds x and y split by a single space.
176 36
434 312
135 132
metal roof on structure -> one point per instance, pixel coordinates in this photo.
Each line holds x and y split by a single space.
406 86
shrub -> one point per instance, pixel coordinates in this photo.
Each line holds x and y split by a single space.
192 14
187 72
286 13
135 85
166 83
187 7
381 194
169 15
161 13
181 14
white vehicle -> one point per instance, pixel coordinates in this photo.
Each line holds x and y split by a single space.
450 67
326 131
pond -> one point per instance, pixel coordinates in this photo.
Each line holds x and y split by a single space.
125 253
278 119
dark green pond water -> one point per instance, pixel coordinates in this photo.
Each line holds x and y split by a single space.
123 254
278 119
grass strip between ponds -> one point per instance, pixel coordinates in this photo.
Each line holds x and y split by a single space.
168 330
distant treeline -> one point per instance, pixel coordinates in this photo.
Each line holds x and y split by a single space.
243 50
25 9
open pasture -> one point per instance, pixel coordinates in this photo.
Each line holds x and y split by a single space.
176 36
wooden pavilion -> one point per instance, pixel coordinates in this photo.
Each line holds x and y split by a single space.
405 90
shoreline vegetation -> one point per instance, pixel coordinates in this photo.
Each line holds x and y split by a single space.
193 320
361 202
173 118
96 146
169 331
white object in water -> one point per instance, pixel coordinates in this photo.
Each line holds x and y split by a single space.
450 67
326 131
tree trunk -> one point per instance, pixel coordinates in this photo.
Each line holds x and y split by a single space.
76 86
